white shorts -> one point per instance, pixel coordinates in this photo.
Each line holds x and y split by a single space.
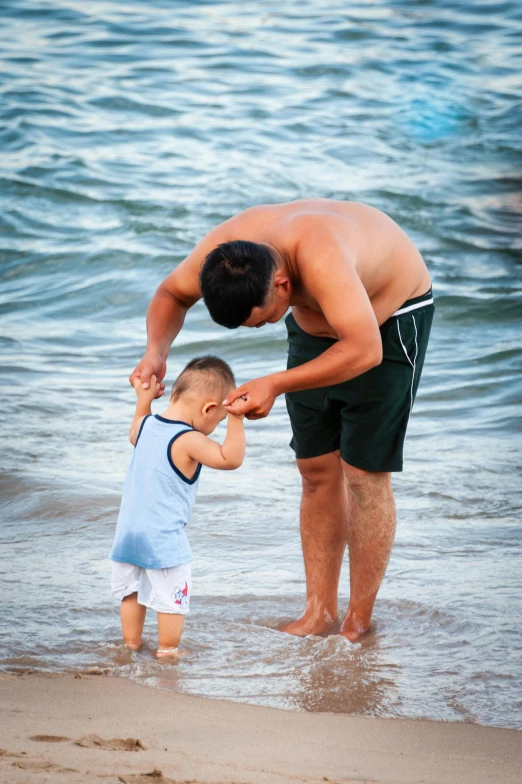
163 590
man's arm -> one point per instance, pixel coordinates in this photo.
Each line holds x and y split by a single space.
166 313
328 273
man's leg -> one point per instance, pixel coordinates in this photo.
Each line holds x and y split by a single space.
371 531
323 539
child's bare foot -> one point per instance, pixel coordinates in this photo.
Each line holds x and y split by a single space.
310 623
172 653
162 653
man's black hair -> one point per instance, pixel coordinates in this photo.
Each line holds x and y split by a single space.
234 279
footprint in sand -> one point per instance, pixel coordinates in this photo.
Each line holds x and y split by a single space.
41 765
7 753
114 744
154 777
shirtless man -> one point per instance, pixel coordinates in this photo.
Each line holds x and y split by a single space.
362 309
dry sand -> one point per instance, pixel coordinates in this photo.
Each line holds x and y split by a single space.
138 735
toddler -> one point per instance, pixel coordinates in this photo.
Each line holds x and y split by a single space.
151 554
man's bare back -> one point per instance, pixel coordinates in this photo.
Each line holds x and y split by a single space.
388 264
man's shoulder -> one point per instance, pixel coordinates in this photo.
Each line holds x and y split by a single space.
288 215
293 225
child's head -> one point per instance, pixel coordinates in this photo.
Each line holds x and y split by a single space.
202 386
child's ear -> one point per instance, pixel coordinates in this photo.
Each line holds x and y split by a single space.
208 407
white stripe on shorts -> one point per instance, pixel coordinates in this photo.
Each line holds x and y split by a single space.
408 358
416 306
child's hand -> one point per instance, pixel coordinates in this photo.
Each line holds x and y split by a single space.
232 415
147 394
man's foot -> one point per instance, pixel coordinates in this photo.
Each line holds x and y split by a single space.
310 624
133 645
353 628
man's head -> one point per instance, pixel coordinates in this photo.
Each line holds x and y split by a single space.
202 386
244 283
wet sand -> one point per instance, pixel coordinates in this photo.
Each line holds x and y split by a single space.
103 729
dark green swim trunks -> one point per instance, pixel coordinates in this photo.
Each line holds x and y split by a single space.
366 417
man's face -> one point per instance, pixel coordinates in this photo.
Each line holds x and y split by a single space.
273 310
265 315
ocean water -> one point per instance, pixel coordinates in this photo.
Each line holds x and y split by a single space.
127 130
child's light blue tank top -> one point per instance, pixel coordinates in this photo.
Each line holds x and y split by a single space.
157 500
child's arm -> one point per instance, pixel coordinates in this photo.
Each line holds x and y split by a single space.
226 456
145 398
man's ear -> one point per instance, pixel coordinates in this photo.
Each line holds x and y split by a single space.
282 282
208 407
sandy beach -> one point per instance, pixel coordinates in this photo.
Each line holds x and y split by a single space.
104 729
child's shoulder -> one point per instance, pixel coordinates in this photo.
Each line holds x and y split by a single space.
187 438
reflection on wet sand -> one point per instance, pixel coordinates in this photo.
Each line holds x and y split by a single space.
344 678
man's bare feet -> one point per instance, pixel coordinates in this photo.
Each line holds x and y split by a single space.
310 624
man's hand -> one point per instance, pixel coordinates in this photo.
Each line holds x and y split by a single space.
151 364
253 400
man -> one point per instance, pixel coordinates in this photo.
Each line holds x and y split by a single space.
362 309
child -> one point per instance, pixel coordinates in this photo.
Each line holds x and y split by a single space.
151 554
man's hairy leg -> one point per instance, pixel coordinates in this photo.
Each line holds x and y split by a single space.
323 538
371 531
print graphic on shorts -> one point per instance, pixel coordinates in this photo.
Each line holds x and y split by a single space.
180 597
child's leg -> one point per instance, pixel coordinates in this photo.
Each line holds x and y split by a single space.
169 594
125 583
132 617
170 627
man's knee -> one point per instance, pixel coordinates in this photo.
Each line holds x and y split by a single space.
320 472
366 485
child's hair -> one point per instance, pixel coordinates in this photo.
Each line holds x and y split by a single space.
204 375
